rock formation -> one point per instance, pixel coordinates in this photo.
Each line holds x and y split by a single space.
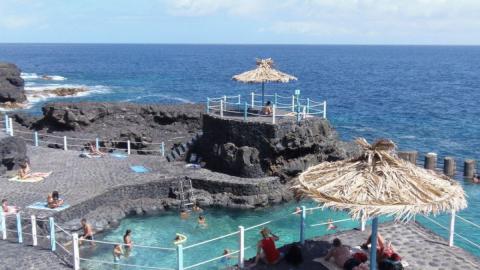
256 149
118 122
13 151
11 84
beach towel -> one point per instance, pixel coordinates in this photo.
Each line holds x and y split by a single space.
118 155
29 179
139 169
88 155
44 206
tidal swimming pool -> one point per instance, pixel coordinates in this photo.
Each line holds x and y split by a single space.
160 230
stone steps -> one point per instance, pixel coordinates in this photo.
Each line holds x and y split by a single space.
181 150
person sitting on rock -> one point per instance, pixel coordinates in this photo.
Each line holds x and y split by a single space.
87 232
54 200
7 209
266 249
267 110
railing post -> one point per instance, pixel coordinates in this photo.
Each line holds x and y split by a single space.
208 105
225 102
293 103
97 144
241 247
325 109
35 138
239 99
179 257
308 105
253 100
65 147
33 221
19 228
4 225
6 123
76 253
128 147
302 225
245 111
221 108
304 112
53 244
452 229
274 108
162 149
10 125
275 98
363 223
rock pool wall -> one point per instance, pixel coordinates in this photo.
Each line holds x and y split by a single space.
257 149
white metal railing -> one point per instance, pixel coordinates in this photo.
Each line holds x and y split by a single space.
66 143
282 106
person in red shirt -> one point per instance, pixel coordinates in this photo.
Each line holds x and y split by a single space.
266 249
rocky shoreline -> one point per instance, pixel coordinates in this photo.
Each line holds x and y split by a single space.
247 164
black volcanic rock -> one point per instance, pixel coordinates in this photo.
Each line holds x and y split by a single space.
13 151
115 123
256 149
11 84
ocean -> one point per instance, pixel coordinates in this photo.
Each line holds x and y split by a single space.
425 98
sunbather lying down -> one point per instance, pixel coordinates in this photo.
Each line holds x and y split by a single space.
25 172
93 152
8 209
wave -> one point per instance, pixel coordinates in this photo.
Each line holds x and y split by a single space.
168 97
29 76
35 76
40 93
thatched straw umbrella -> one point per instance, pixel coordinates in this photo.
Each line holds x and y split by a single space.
262 74
379 183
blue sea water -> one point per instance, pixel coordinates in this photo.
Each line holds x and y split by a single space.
425 98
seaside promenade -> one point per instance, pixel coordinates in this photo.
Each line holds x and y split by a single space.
79 180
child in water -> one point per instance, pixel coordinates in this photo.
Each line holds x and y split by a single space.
117 253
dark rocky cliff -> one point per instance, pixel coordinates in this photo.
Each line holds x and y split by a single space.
11 84
256 149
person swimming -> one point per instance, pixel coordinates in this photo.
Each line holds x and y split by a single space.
202 221
184 214
330 225
179 239
127 239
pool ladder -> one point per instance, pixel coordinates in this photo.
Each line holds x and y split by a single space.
187 197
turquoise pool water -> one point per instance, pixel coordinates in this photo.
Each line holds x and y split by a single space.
160 230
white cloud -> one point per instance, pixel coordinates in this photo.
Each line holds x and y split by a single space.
209 7
17 22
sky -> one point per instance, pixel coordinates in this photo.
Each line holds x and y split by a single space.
445 22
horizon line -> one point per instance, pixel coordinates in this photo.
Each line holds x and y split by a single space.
238 44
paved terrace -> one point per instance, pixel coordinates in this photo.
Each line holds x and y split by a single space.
80 179
420 248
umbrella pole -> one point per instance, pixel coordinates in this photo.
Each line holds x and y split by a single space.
263 94
373 242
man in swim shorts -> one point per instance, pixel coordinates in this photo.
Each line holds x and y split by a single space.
87 232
